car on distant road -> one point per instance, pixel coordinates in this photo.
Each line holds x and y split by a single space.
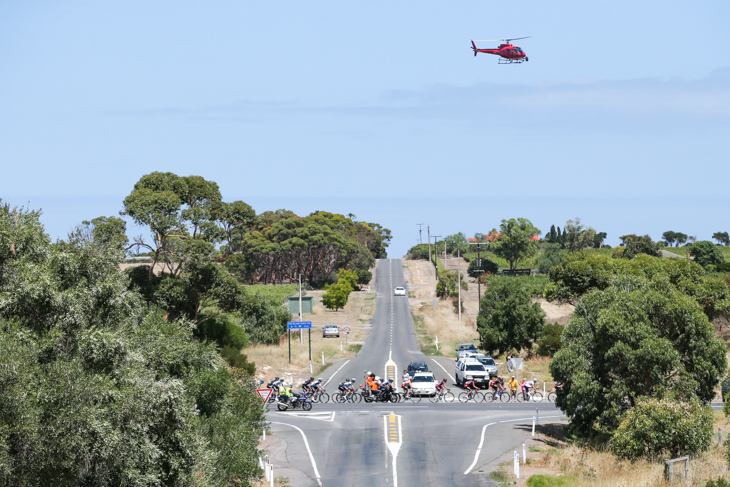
423 384
415 367
464 348
400 291
488 363
471 369
331 331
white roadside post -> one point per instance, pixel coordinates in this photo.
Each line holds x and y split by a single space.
533 426
524 454
517 465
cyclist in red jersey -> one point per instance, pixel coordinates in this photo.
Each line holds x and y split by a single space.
470 386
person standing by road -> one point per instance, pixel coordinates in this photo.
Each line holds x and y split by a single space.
510 365
513 388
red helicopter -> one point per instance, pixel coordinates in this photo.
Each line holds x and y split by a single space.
508 54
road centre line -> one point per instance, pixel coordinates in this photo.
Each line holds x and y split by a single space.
447 372
484 429
306 443
333 375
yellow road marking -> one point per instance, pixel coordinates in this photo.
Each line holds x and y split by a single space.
390 372
393 436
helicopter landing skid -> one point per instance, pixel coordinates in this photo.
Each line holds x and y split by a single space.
510 61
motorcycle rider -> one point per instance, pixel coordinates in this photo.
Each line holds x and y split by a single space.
285 393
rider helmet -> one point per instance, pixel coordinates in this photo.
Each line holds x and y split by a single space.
319 379
377 377
311 378
353 379
444 379
390 380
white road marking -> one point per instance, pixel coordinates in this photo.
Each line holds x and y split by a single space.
447 372
306 443
393 440
484 429
323 416
333 375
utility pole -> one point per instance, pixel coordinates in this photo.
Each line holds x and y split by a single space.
420 235
436 253
458 270
428 227
479 268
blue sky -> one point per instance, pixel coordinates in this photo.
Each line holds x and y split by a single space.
621 116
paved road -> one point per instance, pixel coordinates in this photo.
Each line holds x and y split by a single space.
400 444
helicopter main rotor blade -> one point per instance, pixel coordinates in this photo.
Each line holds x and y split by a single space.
517 38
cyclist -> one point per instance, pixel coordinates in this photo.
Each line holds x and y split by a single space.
497 386
306 387
470 386
441 387
406 384
314 386
345 387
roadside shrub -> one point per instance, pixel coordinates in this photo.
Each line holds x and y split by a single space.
657 427
223 329
488 266
550 341
720 482
364 276
448 287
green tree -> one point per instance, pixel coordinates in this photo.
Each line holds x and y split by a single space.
656 427
448 284
552 254
670 237
638 337
577 236
336 295
705 253
97 391
348 277
722 238
635 245
457 243
487 266
582 272
508 319
516 240
550 341
599 239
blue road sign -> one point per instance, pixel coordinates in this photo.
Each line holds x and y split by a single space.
298 325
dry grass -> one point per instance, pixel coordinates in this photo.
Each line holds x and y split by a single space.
440 321
551 455
273 360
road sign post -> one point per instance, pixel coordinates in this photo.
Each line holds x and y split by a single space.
347 332
264 394
300 325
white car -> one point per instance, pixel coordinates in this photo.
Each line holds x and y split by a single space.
400 291
423 384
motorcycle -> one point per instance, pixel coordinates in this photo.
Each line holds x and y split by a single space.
296 402
387 395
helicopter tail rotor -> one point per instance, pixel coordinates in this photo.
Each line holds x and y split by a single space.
474 46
